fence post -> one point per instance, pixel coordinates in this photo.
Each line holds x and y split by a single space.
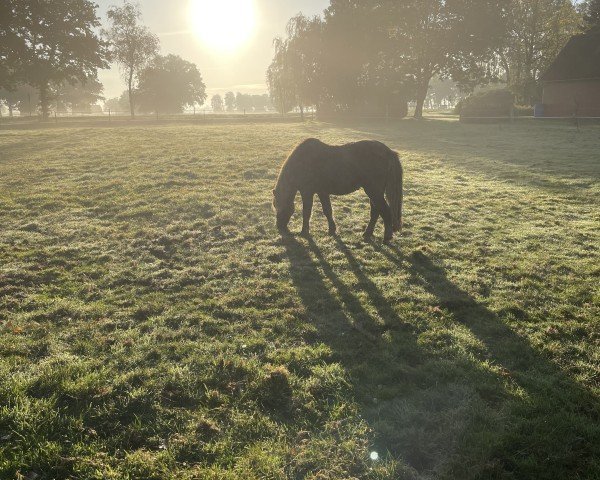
109 115
55 118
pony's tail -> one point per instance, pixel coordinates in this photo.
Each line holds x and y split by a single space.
394 191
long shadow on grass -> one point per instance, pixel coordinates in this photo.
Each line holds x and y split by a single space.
552 430
441 410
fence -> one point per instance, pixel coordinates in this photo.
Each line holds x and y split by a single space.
206 116
574 120
121 116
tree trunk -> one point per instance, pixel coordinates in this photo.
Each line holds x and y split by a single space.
44 100
422 89
302 112
506 66
130 89
10 110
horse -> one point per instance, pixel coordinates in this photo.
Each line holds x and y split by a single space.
317 168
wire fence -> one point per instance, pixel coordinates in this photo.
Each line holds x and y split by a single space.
121 116
577 121
110 116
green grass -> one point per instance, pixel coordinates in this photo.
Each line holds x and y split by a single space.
153 324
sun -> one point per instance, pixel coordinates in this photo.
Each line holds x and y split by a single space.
223 25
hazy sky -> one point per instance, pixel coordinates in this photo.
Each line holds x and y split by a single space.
240 70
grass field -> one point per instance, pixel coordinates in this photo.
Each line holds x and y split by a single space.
154 325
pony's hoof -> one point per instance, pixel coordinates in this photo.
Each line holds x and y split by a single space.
387 240
333 232
305 234
367 237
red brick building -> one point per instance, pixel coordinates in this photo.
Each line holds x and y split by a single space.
572 83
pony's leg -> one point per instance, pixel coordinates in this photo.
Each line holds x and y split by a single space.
371 227
378 199
307 205
386 214
328 211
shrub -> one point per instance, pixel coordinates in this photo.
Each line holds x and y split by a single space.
490 103
523 110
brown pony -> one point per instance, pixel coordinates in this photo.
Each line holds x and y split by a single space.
317 168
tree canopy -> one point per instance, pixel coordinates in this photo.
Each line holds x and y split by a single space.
22 97
230 101
49 42
118 104
591 15
168 84
216 103
372 56
536 31
79 96
12 43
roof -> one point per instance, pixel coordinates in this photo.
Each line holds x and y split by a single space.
578 60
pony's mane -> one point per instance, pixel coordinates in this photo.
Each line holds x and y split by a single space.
283 183
283 179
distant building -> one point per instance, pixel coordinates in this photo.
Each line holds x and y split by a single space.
572 83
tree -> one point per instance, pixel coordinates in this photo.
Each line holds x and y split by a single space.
79 96
293 73
536 32
591 15
55 42
303 57
20 97
351 46
260 103
133 46
12 44
217 103
230 101
279 79
243 102
370 57
118 104
443 93
168 84
443 38
112 105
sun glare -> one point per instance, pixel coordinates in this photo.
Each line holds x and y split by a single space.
223 25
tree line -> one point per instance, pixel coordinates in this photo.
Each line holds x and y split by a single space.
51 51
373 56
240 102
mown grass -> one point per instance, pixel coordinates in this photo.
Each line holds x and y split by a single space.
153 324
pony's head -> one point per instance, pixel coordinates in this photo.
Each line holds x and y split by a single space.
283 205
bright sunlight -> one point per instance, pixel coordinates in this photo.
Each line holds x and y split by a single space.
223 25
